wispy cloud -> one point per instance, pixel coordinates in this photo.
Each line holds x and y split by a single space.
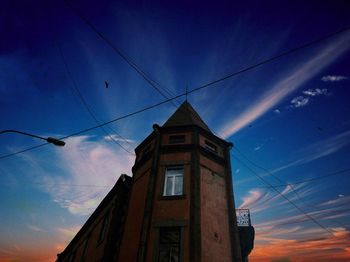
315 92
333 78
299 101
340 201
253 197
318 150
35 228
258 147
277 111
119 139
316 248
292 229
303 100
87 162
83 161
67 233
291 82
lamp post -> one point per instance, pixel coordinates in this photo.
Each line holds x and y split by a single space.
50 140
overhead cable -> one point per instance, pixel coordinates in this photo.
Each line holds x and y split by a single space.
246 69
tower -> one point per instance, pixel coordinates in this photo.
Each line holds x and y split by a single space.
181 205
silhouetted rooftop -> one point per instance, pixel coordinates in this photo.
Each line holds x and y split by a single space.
186 115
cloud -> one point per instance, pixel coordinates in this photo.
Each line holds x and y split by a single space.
254 196
288 84
119 139
258 148
299 238
318 150
330 247
340 201
299 101
333 78
277 111
35 228
86 170
316 92
67 233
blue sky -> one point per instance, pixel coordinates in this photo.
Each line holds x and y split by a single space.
290 116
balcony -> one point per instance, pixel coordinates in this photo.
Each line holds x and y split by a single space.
246 232
243 218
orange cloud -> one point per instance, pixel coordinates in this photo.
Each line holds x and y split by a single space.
332 247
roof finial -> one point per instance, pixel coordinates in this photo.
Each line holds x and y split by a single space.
186 91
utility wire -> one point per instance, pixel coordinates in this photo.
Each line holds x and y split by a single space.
246 69
282 195
271 174
129 61
86 106
313 179
287 184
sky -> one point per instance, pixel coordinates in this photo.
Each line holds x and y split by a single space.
288 119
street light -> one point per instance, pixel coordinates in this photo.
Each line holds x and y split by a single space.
50 140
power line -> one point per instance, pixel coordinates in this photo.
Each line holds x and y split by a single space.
129 61
86 106
297 221
193 90
270 173
286 198
63 184
289 184
314 178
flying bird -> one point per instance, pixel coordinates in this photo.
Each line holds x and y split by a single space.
107 84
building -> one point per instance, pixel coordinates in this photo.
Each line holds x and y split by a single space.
99 238
179 205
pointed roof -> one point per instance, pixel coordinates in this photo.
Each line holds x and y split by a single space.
185 115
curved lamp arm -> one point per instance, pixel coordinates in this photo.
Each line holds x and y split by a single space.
50 140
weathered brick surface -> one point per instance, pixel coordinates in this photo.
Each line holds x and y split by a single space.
130 242
214 216
174 209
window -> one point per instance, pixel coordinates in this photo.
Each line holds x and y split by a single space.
211 146
173 183
177 139
169 244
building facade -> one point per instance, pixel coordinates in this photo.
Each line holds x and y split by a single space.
180 205
99 238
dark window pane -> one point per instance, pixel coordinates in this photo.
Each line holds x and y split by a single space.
169 235
169 245
178 139
211 146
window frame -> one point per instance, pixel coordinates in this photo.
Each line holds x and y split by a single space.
164 243
167 176
162 225
176 139
210 146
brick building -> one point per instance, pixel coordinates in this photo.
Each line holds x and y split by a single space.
179 203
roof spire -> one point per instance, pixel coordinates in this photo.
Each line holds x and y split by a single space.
185 115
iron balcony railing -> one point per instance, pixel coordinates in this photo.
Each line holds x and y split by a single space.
243 217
